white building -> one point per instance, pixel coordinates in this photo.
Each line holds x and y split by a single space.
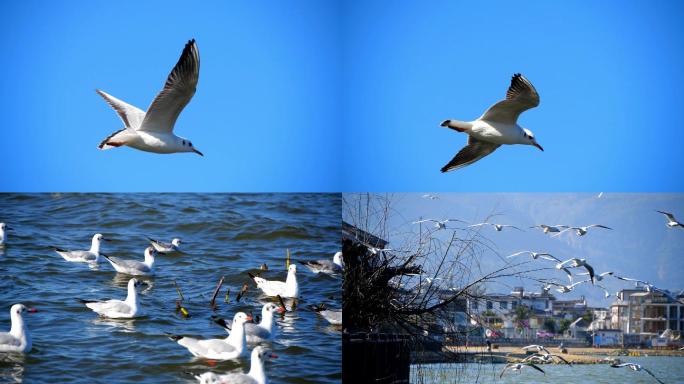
647 314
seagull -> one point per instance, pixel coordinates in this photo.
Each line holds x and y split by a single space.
430 196
152 131
567 288
333 316
18 338
606 293
90 256
581 231
256 374
671 221
336 265
636 367
497 126
598 277
3 235
537 348
118 309
264 331
544 358
161 246
232 347
134 267
519 366
549 228
498 227
289 288
439 224
536 255
575 263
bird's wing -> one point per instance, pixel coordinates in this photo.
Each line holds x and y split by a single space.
562 359
504 369
474 151
8 340
651 373
669 215
536 367
561 232
131 116
598 226
423 221
591 271
630 279
478 225
512 226
517 253
549 256
520 97
459 220
179 88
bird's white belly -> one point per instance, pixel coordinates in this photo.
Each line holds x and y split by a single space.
497 133
154 142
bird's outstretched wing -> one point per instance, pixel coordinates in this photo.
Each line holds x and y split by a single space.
536 367
652 375
131 116
669 215
474 151
520 97
179 88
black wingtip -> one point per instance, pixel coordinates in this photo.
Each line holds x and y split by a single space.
220 322
84 301
251 275
174 337
445 123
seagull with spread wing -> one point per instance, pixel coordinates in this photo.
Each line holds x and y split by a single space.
671 221
581 231
152 131
497 227
439 224
550 228
497 126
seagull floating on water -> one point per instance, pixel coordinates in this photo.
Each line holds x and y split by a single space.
152 131
3 235
90 256
264 331
161 246
497 126
134 267
498 227
636 368
17 339
671 221
232 347
336 265
256 374
288 288
581 231
118 309
439 224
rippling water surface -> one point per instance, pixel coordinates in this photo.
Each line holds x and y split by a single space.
223 235
668 369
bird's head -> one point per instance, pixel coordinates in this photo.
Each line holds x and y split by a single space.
186 146
528 139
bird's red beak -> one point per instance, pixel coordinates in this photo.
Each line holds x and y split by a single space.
249 318
282 310
273 356
32 310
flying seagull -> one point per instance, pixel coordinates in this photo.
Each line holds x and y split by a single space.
536 255
636 367
498 227
519 366
550 228
581 231
152 131
671 221
439 224
497 126
576 263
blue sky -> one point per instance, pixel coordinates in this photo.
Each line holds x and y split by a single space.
261 115
639 246
344 95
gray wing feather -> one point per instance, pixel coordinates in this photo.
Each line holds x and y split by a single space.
474 151
520 97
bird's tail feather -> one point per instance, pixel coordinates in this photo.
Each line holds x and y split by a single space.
460 126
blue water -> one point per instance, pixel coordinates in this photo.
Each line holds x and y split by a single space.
223 235
668 369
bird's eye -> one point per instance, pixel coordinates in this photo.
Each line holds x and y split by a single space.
183 142
190 143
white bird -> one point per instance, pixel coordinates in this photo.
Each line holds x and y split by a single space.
671 221
636 367
152 131
598 277
581 231
336 265
536 348
519 366
160 246
536 255
550 228
544 358
439 224
576 263
497 126
3 234
118 309
430 196
498 227
567 288
606 294
232 347
134 267
256 374
264 331
333 316
89 256
288 288
17 339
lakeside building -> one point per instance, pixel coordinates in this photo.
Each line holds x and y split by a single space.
644 314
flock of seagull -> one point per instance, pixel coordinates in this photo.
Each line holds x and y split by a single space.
542 355
241 331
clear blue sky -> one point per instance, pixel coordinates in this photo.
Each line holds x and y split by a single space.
263 113
609 74
344 95
639 246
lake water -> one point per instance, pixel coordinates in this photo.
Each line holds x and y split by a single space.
223 235
668 369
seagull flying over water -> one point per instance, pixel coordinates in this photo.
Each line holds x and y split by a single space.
152 131
636 367
671 221
519 366
497 126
